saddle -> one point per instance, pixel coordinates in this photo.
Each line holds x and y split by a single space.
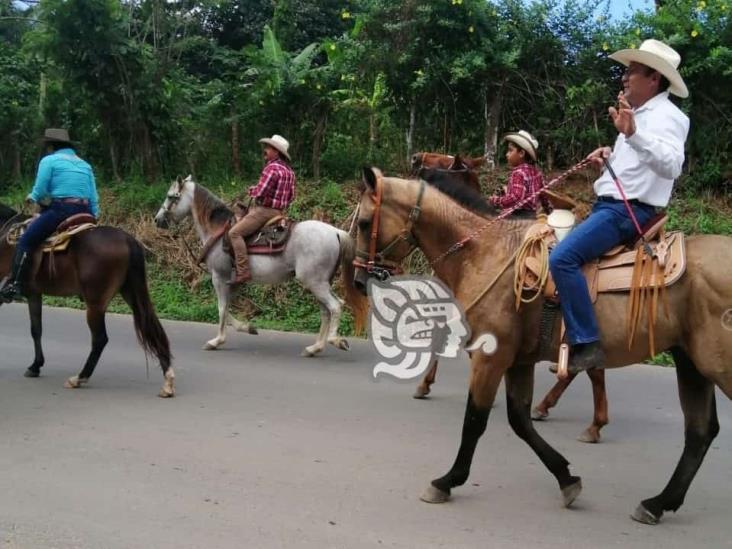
625 268
271 239
60 239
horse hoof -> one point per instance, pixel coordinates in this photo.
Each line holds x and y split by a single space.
343 345
252 331
570 493
644 516
589 437
421 393
307 354
31 373
434 495
166 393
539 415
74 382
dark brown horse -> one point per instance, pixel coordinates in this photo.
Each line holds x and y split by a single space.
98 264
445 161
480 275
457 174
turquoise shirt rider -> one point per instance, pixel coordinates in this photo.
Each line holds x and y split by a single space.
62 175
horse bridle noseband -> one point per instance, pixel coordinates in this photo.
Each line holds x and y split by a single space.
376 262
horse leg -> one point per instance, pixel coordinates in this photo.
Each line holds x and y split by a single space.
519 392
223 295
97 327
423 389
485 379
35 309
599 398
319 344
701 426
541 411
335 307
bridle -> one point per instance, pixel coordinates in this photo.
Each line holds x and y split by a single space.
376 263
172 198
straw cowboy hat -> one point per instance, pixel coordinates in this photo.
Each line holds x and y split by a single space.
56 135
524 140
659 57
279 143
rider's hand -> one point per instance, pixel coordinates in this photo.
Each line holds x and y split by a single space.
599 155
623 116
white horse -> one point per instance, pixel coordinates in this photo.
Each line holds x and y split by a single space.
312 255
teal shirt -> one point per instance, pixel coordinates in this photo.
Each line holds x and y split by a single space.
65 175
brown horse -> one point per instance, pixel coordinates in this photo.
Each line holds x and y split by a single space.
457 174
98 264
445 161
480 275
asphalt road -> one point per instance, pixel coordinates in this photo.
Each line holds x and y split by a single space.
262 448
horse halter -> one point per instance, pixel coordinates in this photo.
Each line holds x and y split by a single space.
173 198
376 263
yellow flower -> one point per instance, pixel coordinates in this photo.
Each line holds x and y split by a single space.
471 29
318 86
605 46
694 33
637 32
631 46
702 4
332 47
345 15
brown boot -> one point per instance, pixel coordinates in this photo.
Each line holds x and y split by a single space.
241 262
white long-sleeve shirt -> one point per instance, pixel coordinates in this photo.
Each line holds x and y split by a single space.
648 161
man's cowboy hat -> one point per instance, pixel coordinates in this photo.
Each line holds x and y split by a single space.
524 140
659 57
279 143
56 135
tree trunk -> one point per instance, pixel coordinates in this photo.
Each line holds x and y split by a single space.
235 161
16 162
492 121
42 95
410 132
318 137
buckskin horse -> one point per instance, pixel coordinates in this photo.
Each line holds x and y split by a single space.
98 264
312 255
445 161
440 217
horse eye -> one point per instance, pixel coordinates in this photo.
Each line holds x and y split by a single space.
364 224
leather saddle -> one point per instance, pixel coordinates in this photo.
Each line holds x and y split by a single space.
614 271
60 239
271 239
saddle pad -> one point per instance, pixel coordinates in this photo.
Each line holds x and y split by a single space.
57 242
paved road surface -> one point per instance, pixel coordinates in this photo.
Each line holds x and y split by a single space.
262 449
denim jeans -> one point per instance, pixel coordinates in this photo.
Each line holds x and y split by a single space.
607 226
45 224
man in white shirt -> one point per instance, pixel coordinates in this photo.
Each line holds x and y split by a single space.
648 155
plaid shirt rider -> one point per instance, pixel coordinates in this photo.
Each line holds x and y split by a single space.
526 179
276 187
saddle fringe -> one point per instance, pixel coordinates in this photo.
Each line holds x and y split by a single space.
647 286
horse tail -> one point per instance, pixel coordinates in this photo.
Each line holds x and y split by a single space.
150 333
357 303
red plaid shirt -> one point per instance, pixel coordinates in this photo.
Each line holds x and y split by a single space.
276 187
525 179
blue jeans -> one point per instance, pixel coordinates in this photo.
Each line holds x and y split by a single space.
607 226
45 224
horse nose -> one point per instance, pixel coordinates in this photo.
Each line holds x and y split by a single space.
161 222
360 280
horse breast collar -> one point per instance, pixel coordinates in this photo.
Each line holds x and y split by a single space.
377 262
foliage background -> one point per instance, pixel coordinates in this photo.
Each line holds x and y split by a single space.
156 88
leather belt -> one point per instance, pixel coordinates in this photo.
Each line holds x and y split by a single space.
81 201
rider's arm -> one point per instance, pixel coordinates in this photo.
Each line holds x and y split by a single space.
93 195
266 180
41 188
514 192
660 144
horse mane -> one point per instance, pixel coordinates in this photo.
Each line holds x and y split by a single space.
212 209
457 189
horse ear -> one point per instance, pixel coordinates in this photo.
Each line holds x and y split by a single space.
370 176
458 163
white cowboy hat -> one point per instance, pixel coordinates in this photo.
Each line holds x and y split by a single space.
659 57
278 143
524 140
